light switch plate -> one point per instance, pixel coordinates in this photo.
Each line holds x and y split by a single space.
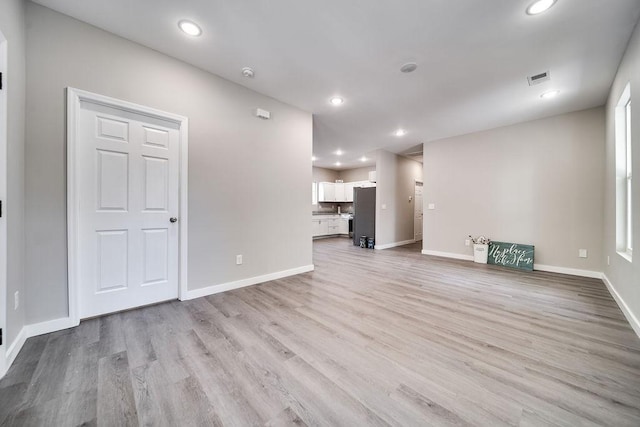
238 259
582 253
431 206
384 206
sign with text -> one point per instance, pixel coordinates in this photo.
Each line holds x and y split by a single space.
511 255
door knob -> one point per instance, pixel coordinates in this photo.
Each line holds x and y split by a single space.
173 219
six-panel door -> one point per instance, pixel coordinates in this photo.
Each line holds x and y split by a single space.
128 192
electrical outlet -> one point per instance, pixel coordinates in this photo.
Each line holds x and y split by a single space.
238 259
16 300
582 253
467 242
431 206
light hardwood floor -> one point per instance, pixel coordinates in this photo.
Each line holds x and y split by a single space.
370 338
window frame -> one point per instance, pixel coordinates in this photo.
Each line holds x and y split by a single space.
624 176
629 179
314 193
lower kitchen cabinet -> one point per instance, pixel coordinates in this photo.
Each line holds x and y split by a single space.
333 227
343 226
328 225
320 227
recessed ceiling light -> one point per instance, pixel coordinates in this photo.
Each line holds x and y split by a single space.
363 159
314 158
540 6
550 94
400 132
190 28
338 163
339 152
409 67
336 100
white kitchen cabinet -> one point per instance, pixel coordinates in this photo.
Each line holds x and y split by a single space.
339 192
319 227
327 192
348 191
343 226
329 225
333 227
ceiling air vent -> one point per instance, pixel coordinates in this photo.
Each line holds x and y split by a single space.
538 78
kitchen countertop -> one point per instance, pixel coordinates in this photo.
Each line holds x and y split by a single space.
335 215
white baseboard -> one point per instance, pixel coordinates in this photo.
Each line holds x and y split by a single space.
631 318
29 331
223 287
12 351
395 244
540 267
447 255
49 326
571 271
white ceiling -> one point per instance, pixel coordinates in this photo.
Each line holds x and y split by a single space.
473 59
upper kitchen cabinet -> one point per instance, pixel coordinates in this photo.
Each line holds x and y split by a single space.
339 191
340 196
327 192
348 191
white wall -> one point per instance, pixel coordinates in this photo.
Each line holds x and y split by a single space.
396 177
13 28
623 275
357 174
538 183
324 174
248 178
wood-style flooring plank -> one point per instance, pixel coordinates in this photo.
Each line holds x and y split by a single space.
116 403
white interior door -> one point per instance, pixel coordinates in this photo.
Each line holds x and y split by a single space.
418 213
128 184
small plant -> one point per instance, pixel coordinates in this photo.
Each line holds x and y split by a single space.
480 240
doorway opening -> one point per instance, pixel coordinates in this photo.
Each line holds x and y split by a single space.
417 211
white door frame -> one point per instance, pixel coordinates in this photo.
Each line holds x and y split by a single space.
74 99
3 196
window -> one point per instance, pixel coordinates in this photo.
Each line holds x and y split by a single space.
624 177
627 110
314 193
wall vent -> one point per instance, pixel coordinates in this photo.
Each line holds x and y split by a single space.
536 79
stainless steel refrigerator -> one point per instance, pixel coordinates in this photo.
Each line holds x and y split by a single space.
364 216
